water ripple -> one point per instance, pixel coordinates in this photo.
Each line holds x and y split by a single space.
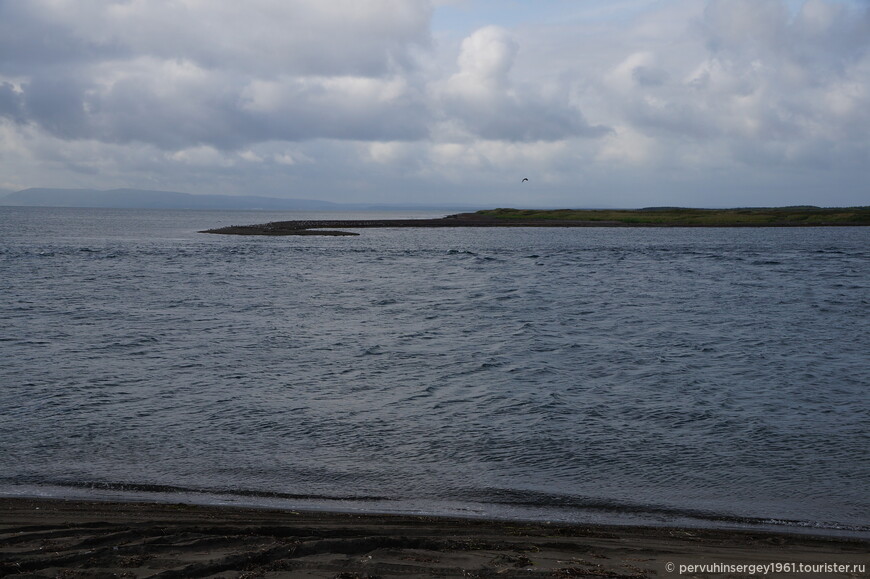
706 373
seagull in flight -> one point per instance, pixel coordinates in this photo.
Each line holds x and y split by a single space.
524 179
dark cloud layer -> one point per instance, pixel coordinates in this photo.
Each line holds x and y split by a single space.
260 37
177 74
183 74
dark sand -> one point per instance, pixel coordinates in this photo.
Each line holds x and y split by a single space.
56 538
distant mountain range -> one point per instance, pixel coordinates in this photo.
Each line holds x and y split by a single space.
145 199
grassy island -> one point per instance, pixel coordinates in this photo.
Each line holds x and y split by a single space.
650 217
679 216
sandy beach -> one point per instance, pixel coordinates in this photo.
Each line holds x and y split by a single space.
59 538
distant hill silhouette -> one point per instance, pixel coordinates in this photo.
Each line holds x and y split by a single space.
145 199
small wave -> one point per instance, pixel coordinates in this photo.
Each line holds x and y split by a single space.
371 351
137 342
581 503
129 487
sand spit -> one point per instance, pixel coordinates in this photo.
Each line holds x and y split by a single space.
483 219
335 227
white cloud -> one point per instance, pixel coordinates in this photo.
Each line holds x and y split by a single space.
202 156
250 157
626 146
486 59
484 99
292 158
391 153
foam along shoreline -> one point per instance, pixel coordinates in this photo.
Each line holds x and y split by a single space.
55 537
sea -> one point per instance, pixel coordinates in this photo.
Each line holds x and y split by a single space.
707 377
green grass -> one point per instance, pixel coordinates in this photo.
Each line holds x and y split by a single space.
798 215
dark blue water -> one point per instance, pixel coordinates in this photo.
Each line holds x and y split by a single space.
693 376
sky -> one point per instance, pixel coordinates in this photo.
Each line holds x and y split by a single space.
599 103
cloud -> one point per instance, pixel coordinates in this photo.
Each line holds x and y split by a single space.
346 98
484 99
760 75
258 37
11 102
335 107
184 73
154 79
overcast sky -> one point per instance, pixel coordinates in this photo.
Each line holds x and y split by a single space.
616 103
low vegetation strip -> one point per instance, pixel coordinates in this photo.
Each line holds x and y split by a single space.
678 216
650 217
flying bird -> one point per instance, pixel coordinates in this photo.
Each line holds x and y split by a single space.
524 179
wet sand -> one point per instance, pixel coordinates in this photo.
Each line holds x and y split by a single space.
58 538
